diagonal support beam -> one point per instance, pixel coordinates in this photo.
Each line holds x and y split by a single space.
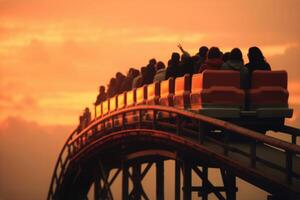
136 177
146 170
106 190
208 183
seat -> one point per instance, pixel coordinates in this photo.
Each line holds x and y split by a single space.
105 107
131 98
166 92
141 95
182 92
113 104
217 93
131 101
153 93
166 97
121 98
268 95
98 112
196 91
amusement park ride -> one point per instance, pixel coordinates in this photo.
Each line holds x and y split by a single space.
202 121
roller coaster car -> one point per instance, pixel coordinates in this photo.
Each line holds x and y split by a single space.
268 95
217 93
267 100
262 107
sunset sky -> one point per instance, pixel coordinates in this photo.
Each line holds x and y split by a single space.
54 54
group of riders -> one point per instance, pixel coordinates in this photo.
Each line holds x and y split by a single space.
179 65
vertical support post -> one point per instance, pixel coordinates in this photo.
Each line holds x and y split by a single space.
154 119
204 183
123 120
160 180
177 180
137 181
125 182
97 185
113 122
178 124
294 139
187 181
253 154
289 166
226 139
140 118
201 132
231 185
104 124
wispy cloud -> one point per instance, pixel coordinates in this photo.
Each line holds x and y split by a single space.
171 38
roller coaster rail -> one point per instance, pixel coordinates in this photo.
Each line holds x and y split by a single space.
189 130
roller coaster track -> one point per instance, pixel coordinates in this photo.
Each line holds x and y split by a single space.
152 134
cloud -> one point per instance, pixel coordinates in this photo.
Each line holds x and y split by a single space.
170 38
28 154
48 48
48 108
17 102
288 60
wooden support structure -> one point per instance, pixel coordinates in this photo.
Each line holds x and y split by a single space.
177 180
187 181
125 181
160 180
136 174
204 183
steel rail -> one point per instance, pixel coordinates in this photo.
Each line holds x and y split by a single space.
208 120
256 136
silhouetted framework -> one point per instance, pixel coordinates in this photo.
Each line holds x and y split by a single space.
117 144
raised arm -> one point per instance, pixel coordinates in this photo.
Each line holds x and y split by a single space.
182 50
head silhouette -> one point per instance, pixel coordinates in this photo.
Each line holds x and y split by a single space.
236 54
119 75
175 57
152 61
226 56
135 73
203 51
112 82
101 89
255 55
160 65
214 52
144 71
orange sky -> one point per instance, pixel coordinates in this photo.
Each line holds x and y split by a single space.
55 53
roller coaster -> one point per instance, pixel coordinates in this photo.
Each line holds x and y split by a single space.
200 122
